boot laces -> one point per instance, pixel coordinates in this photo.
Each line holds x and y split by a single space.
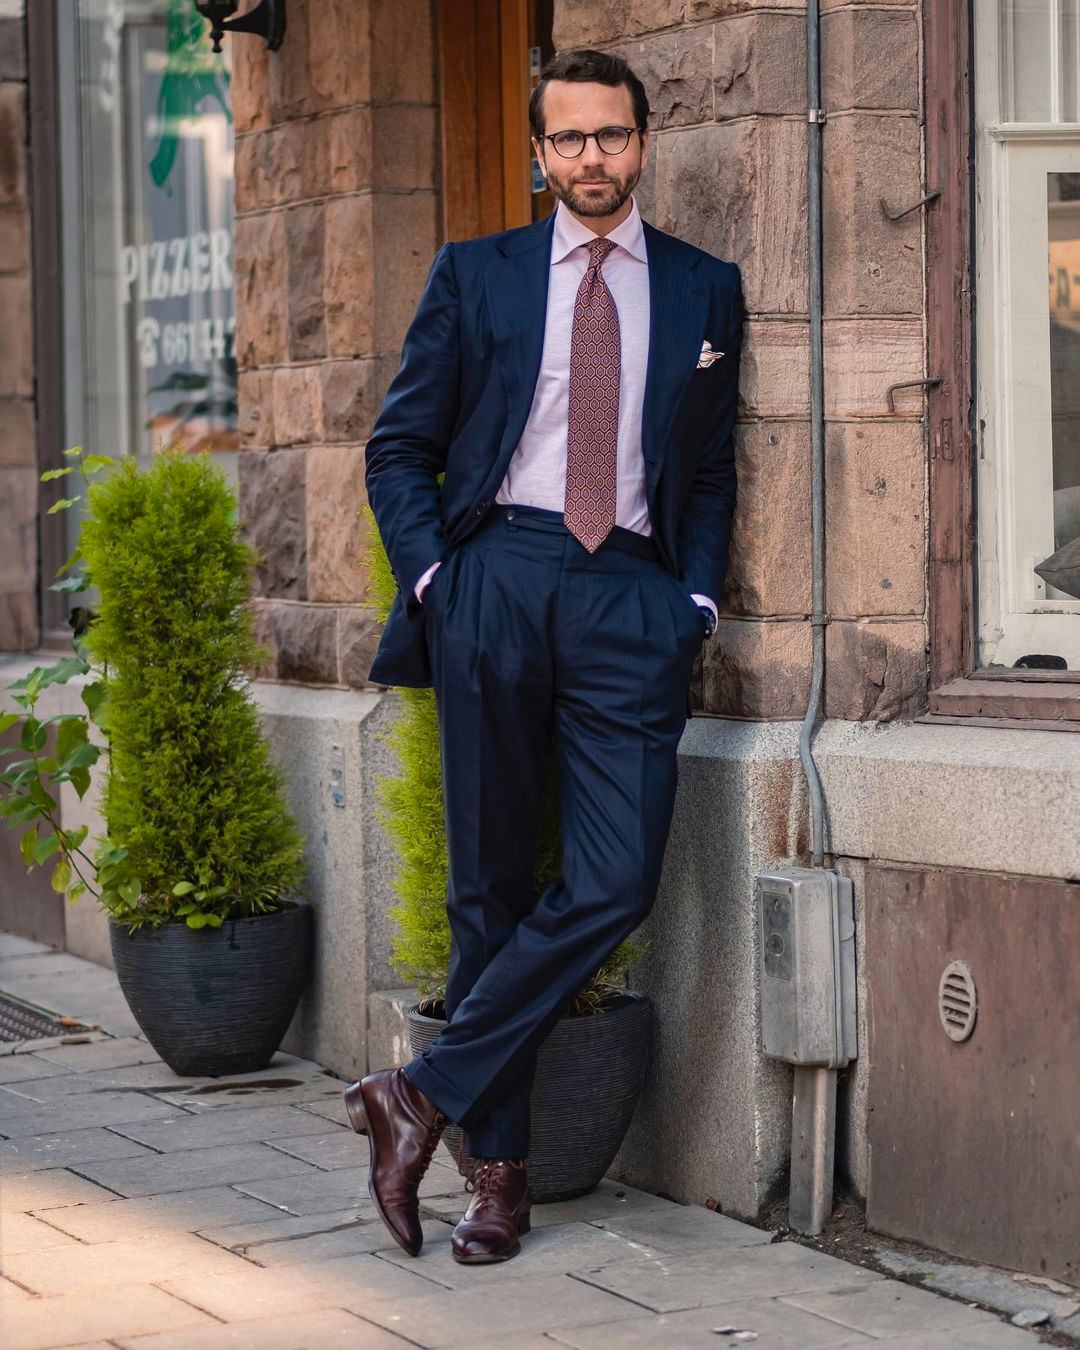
481 1178
434 1133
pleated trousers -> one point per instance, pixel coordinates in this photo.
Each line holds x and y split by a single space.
534 639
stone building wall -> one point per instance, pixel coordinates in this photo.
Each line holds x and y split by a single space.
728 88
336 228
18 474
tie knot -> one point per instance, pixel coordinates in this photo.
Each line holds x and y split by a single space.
598 251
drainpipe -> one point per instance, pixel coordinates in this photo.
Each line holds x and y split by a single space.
818 619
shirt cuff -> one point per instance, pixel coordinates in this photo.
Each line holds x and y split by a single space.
704 600
424 578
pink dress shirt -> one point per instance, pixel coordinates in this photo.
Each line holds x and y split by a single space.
536 474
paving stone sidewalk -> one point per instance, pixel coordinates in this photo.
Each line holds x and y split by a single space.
139 1209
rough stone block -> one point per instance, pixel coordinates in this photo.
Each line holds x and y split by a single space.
18 538
871 264
341 60
306 640
875 671
402 52
17 433
676 69
189 1169
757 669
285 163
874 518
12 143
774 372
705 9
406 240
260 279
738 190
348 277
863 357
335 495
583 23
16 338
255 408
358 637
349 148
272 509
298 406
305 229
770 560
250 84
12 49
760 65
14 238
266 637
870 59
352 395
404 144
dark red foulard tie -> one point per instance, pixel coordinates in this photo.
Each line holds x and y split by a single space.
593 416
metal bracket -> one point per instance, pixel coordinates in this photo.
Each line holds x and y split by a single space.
816 115
912 384
895 215
266 20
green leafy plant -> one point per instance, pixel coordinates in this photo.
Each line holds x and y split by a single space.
197 826
410 806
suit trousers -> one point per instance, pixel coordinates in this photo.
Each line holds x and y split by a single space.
533 638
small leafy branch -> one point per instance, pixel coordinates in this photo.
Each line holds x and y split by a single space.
33 780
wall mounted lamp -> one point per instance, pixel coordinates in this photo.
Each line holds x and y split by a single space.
266 20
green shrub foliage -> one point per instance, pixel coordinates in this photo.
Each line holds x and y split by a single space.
411 809
190 792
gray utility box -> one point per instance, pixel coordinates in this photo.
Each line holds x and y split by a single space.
806 961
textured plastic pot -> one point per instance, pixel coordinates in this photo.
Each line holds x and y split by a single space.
589 1074
215 1001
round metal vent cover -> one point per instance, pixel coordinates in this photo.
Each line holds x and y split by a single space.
958 1001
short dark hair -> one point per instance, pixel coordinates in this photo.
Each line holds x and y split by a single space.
585 66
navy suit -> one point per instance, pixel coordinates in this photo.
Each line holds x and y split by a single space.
529 639
461 398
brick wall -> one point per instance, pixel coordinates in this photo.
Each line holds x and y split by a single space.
727 82
18 474
336 227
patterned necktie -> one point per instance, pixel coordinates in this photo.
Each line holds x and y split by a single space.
593 416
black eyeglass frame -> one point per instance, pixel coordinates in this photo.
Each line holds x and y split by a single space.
589 136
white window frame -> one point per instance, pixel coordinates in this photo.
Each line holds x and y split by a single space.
1017 613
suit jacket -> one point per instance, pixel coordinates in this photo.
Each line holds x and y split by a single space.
461 397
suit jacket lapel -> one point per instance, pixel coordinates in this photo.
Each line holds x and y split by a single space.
516 285
678 307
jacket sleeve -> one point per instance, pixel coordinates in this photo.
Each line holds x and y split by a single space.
408 445
706 521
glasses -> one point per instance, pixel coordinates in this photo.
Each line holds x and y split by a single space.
611 140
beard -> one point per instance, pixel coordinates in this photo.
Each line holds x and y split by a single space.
595 204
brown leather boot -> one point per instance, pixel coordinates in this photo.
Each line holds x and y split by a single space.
498 1213
403 1128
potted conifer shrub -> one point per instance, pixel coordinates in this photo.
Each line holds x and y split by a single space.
591 1066
200 861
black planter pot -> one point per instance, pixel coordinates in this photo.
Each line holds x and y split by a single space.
589 1073
215 1001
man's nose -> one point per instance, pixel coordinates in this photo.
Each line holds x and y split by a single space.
592 157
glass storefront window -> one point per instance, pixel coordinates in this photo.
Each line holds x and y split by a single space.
147 167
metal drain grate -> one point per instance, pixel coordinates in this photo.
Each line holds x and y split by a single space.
20 1021
958 1001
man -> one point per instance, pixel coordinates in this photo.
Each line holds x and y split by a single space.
576 379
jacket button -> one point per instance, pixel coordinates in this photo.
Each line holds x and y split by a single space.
482 507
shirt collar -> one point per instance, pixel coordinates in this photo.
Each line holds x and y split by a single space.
569 234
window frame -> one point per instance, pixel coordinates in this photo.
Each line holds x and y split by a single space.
961 691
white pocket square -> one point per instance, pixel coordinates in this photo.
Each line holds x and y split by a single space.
708 356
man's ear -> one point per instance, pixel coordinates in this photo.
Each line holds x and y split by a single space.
644 147
538 151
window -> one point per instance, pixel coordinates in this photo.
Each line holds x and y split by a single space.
146 167
1027 284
